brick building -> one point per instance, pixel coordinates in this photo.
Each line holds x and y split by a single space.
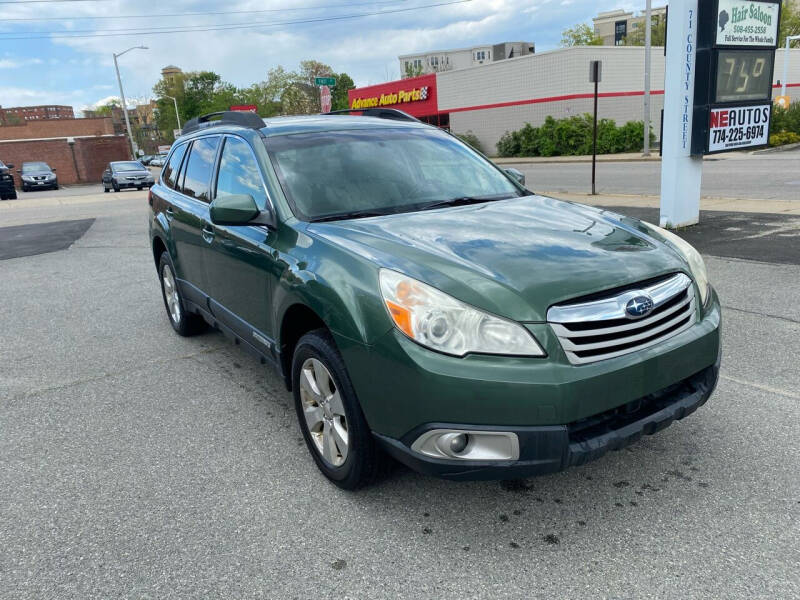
20 114
79 149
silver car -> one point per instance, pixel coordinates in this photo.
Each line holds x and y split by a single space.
127 174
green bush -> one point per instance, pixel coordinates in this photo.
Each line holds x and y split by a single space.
572 136
784 137
786 119
470 139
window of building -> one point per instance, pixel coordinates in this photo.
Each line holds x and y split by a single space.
620 31
417 63
197 173
434 60
239 172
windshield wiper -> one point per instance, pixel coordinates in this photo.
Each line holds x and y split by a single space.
462 201
357 214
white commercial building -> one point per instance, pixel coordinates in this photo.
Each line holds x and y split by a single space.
499 96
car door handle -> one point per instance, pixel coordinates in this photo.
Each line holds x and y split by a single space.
170 213
208 234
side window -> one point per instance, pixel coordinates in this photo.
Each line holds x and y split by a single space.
170 174
197 172
239 172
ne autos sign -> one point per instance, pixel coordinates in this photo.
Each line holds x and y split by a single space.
747 23
738 127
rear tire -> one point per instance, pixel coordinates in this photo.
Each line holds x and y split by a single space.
330 416
183 322
105 190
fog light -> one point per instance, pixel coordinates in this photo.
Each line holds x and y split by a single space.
468 444
458 443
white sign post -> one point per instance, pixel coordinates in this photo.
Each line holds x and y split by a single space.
681 173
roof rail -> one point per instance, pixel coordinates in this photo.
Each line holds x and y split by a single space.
381 113
226 117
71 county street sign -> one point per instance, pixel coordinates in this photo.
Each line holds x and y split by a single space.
738 127
329 81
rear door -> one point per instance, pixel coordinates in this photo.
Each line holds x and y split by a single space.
190 227
240 260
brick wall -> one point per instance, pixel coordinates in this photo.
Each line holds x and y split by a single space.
83 163
48 128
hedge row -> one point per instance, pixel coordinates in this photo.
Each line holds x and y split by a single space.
785 128
573 137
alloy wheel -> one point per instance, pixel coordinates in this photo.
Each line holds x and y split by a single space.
324 412
171 294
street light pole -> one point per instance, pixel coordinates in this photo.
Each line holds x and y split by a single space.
176 110
122 96
789 38
647 43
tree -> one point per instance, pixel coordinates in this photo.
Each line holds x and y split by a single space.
580 35
658 34
411 70
339 99
790 23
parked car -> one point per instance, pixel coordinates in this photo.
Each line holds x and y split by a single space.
37 175
7 190
422 303
126 174
145 160
158 161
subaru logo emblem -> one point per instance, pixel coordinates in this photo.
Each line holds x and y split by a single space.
639 306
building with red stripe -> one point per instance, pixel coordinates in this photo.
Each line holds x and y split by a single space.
501 96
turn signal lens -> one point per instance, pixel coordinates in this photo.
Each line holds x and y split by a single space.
438 321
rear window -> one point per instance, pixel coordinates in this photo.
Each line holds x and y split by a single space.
170 174
197 172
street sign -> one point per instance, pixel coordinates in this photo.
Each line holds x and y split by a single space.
329 81
164 149
176 133
595 71
736 43
244 108
325 98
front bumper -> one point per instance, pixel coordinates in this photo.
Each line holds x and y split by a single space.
134 184
547 449
40 184
405 389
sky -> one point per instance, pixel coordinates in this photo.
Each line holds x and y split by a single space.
44 61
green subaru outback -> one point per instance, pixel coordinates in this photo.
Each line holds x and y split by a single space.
421 303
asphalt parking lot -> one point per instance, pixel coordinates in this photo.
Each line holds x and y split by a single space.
138 464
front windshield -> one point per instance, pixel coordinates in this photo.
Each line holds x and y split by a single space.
128 166
380 171
33 167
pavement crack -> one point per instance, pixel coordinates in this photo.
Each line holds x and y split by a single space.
93 378
763 388
761 314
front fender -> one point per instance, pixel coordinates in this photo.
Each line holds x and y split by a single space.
341 288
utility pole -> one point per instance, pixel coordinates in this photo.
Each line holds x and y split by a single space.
647 43
122 96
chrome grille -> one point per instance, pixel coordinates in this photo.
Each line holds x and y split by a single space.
601 329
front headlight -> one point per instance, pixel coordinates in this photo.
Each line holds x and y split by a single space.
440 322
26 178
692 256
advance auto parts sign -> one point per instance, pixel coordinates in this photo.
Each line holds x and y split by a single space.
747 23
398 97
738 127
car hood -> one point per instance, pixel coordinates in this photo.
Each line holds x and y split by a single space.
515 257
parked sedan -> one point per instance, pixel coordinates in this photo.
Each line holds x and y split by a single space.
126 174
37 175
158 161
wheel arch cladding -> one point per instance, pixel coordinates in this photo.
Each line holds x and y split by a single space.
297 320
159 247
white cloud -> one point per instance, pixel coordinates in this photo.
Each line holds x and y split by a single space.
18 63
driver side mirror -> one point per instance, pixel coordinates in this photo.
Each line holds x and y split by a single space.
515 174
53 170
9 166
239 209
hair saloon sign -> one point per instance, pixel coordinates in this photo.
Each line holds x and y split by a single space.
416 96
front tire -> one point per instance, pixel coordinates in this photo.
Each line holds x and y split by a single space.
116 187
184 323
330 416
